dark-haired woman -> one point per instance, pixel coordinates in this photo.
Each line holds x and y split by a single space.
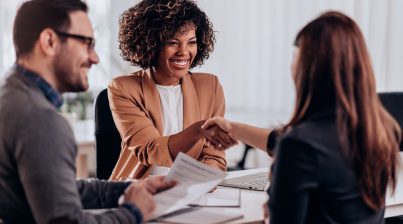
337 155
159 110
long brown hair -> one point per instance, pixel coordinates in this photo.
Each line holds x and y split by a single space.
334 71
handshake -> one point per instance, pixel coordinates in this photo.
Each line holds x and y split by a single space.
219 133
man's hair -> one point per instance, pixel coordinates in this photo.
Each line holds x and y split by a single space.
36 15
145 28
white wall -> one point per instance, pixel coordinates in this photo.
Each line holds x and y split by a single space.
253 49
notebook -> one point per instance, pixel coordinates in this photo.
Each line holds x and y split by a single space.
256 181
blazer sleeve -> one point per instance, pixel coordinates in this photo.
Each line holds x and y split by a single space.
210 155
293 181
137 129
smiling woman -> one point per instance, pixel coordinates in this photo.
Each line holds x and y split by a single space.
159 110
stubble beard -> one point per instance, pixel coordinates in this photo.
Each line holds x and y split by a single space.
68 81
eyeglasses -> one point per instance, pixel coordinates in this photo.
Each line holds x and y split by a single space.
90 41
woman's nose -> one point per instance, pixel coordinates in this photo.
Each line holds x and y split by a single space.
183 50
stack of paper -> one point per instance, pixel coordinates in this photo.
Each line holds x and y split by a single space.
193 178
221 197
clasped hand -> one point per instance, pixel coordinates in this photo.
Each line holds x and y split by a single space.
218 133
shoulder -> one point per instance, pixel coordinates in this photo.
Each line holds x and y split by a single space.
18 93
129 83
313 130
129 79
25 108
204 78
311 137
203 81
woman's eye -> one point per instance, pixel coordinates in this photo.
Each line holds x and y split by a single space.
172 43
193 42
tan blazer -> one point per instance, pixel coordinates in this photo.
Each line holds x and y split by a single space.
136 110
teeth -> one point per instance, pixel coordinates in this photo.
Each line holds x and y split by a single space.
180 62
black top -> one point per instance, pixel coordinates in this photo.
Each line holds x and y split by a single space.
312 182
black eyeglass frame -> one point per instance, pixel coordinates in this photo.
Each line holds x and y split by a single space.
90 41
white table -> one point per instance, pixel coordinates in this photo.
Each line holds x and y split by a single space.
394 204
251 201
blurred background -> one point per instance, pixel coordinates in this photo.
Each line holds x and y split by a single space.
252 55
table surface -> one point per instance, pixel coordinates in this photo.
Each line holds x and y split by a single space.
252 201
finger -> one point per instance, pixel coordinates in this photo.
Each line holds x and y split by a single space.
224 140
223 144
151 183
158 183
228 139
209 135
209 123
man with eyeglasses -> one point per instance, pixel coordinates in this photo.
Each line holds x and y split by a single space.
54 47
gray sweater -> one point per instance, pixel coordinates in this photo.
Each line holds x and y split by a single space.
37 164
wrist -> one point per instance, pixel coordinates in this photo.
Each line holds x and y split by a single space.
134 210
198 134
235 129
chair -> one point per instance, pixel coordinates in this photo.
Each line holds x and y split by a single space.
393 103
107 137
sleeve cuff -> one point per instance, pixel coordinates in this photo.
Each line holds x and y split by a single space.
271 142
134 210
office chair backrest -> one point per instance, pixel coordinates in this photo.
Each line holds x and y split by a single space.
393 102
107 138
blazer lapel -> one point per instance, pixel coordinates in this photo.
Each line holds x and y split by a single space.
191 110
152 100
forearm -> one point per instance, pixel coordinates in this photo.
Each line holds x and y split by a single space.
99 193
185 140
251 135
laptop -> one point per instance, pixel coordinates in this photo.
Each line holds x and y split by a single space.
256 181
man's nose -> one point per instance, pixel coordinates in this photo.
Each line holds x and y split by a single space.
94 58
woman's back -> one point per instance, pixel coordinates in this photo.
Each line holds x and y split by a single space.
313 182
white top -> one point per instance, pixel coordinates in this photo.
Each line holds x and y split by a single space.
172 115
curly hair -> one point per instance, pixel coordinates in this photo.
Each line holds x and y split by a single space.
145 28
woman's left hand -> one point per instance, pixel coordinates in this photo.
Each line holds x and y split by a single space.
266 213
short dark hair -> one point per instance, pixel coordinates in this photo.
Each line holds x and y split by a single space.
145 28
36 15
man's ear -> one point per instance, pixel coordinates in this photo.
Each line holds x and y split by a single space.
48 42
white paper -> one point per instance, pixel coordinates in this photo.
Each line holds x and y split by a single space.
397 197
201 216
221 197
193 180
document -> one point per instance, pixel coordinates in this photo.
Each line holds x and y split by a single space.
193 178
221 197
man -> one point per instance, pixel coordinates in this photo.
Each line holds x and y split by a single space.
55 49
